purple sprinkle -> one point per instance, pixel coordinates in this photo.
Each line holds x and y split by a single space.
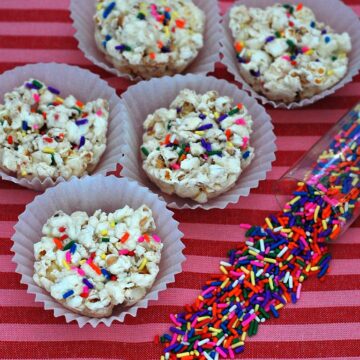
53 90
120 47
82 142
81 122
222 118
171 347
88 283
269 39
178 110
205 145
205 127
255 73
30 86
202 116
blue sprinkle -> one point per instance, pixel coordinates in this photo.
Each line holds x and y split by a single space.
53 90
106 273
327 39
269 39
202 116
68 294
73 248
313 24
255 73
25 125
205 127
108 10
81 122
108 37
246 154
274 311
222 118
82 142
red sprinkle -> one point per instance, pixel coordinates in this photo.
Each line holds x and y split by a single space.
180 23
10 139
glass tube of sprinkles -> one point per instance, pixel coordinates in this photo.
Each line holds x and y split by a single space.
270 268
331 170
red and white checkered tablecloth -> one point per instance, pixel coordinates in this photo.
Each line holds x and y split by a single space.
325 324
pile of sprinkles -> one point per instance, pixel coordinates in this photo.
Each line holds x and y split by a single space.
267 272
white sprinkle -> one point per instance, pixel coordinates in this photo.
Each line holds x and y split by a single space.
249 243
224 263
262 246
233 308
290 282
220 341
173 138
202 342
282 252
235 283
259 272
286 277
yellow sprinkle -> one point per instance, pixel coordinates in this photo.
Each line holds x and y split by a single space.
215 330
324 224
246 271
286 230
268 222
301 279
112 224
252 252
143 264
103 256
166 30
82 262
59 99
271 284
279 306
23 173
200 298
269 260
201 318
223 270
196 353
48 150
200 133
290 257
188 326
99 6
330 72
309 52
229 144
104 232
162 357
316 213
224 283
252 277
294 200
216 115
257 307
308 268
240 343
66 265
315 268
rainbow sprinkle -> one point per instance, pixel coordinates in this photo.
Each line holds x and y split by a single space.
267 272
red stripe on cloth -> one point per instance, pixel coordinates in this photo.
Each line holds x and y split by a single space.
35 15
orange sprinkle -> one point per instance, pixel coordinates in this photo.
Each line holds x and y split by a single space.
167 139
299 7
95 268
160 44
180 23
239 46
125 237
79 104
240 106
58 243
152 56
146 237
228 134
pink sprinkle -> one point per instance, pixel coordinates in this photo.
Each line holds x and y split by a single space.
123 252
194 322
81 272
156 238
196 344
286 57
240 122
89 261
222 353
222 306
298 291
210 289
245 141
99 112
85 289
173 319
175 166
245 226
173 340
234 273
68 257
256 263
36 97
231 353
141 239
305 49
231 315
303 241
321 187
248 320
35 126
260 257
211 343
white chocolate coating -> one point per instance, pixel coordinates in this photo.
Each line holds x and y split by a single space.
285 54
43 135
149 38
119 267
198 147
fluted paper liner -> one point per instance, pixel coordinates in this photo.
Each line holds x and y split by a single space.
89 194
82 12
331 12
85 86
144 98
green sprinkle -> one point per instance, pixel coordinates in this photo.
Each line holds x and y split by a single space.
105 240
141 16
214 152
333 58
38 84
69 245
277 34
264 313
53 162
301 263
77 109
233 111
145 151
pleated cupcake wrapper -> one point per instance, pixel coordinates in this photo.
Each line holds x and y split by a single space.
89 194
83 11
144 98
331 12
85 86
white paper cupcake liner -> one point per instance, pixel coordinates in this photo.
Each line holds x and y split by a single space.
82 12
144 98
332 12
89 194
85 86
